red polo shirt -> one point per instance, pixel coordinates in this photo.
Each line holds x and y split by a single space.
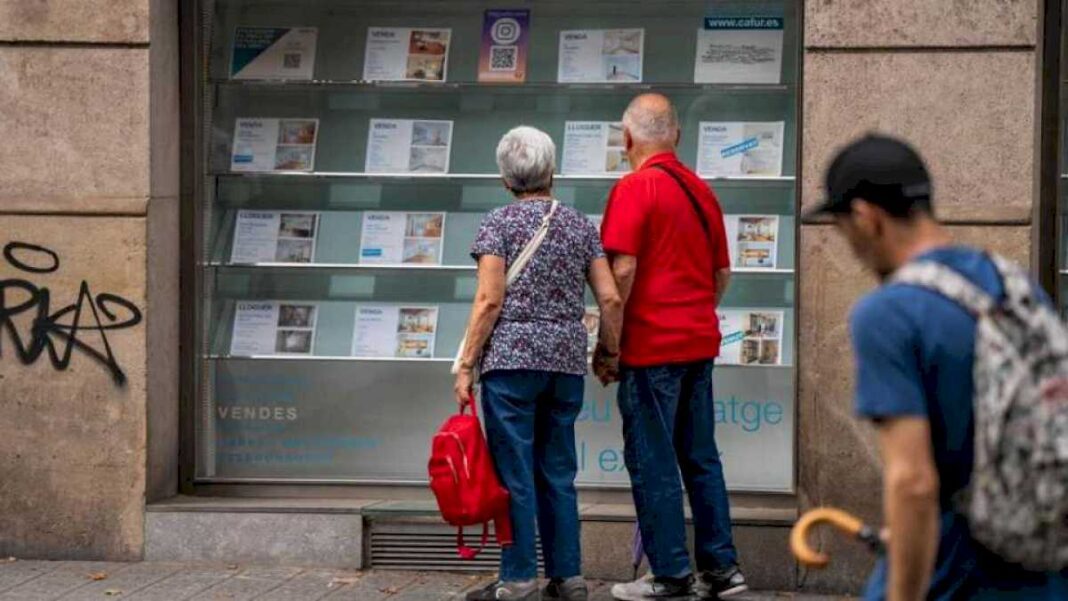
670 315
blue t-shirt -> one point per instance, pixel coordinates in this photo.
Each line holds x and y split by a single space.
915 352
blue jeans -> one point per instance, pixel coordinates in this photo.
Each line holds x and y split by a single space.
530 426
669 427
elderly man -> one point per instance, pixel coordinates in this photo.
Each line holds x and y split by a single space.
664 234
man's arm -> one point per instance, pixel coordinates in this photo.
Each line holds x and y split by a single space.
624 267
723 281
910 497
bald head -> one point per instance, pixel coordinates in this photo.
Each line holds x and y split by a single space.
651 120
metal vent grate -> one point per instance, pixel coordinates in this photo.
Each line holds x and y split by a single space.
418 546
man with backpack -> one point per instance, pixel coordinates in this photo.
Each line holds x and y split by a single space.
975 471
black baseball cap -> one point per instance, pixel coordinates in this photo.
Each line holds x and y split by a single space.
882 170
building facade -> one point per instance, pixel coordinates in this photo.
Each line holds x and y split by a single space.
230 390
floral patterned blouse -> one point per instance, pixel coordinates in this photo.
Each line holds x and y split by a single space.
540 326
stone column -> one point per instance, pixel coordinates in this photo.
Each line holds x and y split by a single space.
89 221
958 80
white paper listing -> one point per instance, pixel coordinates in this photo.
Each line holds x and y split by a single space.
408 146
397 237
273 328
750 337
395 331
406 54
601 56
272 236
753 240
594 148
742 50
733 149
274 145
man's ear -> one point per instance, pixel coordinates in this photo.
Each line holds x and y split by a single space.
678 136
867 217
628 141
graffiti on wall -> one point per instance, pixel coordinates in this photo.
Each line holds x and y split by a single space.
81 326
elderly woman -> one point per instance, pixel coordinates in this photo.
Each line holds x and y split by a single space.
530 343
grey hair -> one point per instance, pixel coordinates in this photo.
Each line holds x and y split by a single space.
651 126
526 157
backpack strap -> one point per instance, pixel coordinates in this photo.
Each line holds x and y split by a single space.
467 552
1016 281
948 283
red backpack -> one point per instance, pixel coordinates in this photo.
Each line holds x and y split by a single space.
465 482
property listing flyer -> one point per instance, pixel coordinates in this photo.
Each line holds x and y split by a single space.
273 328
398 238
502 57
739 50
273 53
750 337
753 240
274 145
732 149
395 331
272 236
594 148
406 54
408 146
601 56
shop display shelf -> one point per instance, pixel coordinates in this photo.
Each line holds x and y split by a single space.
363 175
432 360
280 266
535 87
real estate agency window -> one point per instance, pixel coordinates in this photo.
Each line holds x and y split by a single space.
350 159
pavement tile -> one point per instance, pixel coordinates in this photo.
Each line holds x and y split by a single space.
126 582
309 586
250 583
183 585
67 577
436 586
373 586
14 573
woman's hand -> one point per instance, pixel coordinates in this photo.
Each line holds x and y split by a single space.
465 381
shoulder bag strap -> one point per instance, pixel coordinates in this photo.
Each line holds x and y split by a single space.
516 268
693 201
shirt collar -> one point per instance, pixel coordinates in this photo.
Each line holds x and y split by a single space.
659 159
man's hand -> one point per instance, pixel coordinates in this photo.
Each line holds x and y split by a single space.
463 387
605 365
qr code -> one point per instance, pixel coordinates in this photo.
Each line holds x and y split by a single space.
503 58
291 61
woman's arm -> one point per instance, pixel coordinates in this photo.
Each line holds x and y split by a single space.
603 283
489 299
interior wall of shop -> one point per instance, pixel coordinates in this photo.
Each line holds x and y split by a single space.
959 81
89 90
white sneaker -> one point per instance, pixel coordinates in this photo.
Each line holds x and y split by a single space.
649 587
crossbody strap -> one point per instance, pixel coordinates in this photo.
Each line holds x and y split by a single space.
693 203
516 268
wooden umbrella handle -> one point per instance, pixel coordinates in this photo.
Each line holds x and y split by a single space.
805 554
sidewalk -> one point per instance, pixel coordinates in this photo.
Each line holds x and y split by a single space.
147 581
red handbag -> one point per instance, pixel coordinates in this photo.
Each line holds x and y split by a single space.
465 482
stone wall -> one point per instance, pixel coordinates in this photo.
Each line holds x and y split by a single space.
958 79
89 90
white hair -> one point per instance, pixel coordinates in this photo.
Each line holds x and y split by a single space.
526 157
651 126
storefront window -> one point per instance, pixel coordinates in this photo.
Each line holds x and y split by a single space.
351 158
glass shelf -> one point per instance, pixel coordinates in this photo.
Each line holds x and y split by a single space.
784 179
741 271
537 87
337 358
